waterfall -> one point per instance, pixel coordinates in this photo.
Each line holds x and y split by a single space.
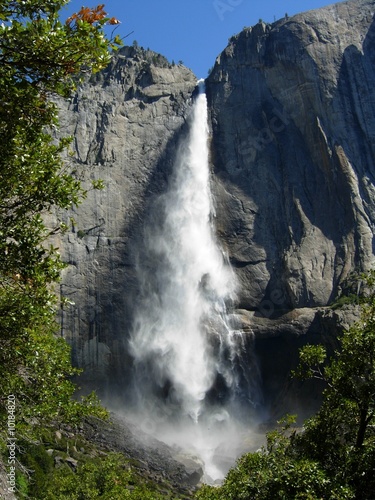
190 367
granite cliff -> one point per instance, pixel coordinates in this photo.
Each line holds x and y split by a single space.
292 111
292 107
125 123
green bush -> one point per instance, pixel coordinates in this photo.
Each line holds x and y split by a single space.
274 473
40 464
108 478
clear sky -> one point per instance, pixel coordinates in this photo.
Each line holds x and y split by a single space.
192 31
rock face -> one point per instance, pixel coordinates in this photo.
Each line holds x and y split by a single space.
5 486
292 108
125 123
293 127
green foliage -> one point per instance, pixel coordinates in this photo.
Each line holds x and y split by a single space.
345 300
53 469
334 456
276 472
311 359
22 485
39 56
36 459
109 479
351 291
98 184
81 233
342 434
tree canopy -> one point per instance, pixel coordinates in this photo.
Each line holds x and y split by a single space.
333 457
40 56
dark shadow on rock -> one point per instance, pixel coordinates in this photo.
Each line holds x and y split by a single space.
151 215
277 344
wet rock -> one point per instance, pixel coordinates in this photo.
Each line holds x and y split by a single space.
193 468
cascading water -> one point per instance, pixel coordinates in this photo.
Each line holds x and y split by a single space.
190 375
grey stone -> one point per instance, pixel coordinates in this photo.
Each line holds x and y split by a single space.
292 109
292 116
125 122
193 467
71 462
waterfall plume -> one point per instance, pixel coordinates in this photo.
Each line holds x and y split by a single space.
190 375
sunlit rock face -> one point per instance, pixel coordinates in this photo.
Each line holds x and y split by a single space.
293 127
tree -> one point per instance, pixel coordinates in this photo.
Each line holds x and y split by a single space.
334 456
277 472
342 435
39 56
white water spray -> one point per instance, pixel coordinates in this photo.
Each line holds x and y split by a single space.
182 344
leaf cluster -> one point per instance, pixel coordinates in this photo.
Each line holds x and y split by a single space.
40 56
277 472
334 456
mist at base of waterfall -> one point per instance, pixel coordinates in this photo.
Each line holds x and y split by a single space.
214 443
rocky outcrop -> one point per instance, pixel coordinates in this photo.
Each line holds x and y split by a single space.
156 461
276 345
7 490
125 122
292 107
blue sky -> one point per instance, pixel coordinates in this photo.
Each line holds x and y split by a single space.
194 31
